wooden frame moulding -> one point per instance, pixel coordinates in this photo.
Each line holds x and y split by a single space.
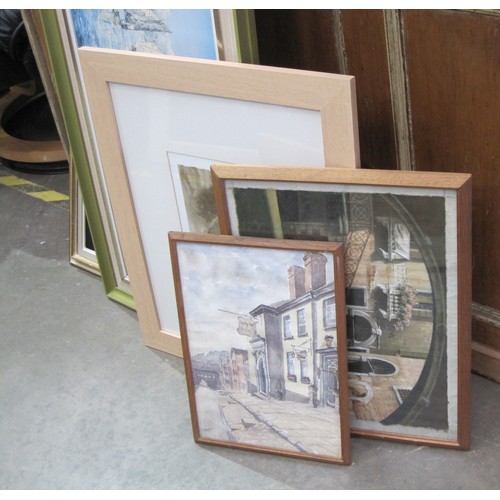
146 108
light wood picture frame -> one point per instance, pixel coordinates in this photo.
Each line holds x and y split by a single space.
96 246
150 110
263 335
407 239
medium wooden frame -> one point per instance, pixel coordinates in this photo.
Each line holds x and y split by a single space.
147 106
281 391
407 240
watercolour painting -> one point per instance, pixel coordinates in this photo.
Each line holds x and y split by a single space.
407 278
264 351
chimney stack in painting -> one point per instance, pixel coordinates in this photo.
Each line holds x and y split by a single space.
315 270
296 281
304 279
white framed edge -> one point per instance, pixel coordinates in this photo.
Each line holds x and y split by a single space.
81 254
144 106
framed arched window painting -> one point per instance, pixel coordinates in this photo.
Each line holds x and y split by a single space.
407 240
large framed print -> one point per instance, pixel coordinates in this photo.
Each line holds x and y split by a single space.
161 121
217 34
263 336
407 240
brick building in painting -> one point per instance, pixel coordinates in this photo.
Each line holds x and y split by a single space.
234 370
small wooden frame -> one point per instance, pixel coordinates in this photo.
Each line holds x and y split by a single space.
147 108
263 337
407 239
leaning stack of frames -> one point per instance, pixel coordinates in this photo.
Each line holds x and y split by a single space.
377 261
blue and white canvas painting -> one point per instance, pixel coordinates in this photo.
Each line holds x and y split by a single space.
180 32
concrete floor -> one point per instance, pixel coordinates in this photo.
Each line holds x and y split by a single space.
84 405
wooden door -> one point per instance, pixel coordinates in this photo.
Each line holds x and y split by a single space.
428 90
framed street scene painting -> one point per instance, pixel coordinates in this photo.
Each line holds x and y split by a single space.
407 277
263 337
161 121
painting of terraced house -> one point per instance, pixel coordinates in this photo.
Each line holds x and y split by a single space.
261 344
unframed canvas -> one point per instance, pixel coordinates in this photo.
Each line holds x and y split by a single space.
263 335
408 283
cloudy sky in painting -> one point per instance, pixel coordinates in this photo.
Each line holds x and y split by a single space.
218 280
